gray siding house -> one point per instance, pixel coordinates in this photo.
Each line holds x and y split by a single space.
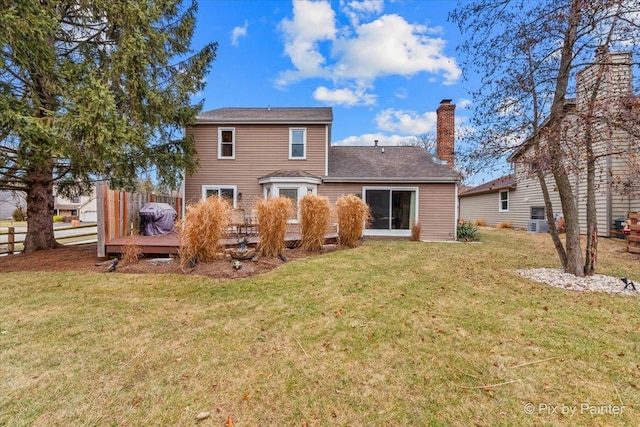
617 181
249 153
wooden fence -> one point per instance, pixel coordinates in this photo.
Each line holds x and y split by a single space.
15 239
118 213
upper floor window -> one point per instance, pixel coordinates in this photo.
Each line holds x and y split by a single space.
504 201
297 143
75 199
226 143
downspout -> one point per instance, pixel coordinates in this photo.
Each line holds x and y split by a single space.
609 191
326 150
456 216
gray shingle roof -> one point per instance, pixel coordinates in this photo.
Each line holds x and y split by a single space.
293 173
395 163
502 183
267 115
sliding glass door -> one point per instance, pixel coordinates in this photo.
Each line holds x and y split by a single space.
391 209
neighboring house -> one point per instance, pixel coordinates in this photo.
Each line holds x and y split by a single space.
491 202
10 201
250 153
518 198
83 208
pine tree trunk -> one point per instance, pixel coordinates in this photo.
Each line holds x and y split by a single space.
40 212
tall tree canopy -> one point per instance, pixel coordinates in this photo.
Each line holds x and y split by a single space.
94 89
529 55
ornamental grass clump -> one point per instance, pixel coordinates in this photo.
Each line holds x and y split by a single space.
352 213
272 217
314 219
415 232
205 223
131 251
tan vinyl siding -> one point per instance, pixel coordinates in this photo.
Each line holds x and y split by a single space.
259 150
436 205
437 210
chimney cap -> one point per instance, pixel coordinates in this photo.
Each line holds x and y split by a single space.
446 101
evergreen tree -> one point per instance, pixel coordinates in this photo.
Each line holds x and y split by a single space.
94 89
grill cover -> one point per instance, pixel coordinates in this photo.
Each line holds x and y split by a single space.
156 219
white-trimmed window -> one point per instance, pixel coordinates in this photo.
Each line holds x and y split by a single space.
298 143
291 193
294 191
229 192
503 201
226 143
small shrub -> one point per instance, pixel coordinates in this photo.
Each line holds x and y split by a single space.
467 232
58 218
131 251
480 222
505 224
352 213
314 219
415 232
272 217
203 226
19 214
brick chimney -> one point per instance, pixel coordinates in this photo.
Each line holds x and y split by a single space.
445 131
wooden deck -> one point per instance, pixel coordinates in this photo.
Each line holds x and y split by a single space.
167 244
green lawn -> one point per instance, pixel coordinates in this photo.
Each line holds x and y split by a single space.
388 334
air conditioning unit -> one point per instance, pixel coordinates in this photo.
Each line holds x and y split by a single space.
537 226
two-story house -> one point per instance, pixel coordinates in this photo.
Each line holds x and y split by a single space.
250 153
517 198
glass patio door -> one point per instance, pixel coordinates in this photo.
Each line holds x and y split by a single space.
391 209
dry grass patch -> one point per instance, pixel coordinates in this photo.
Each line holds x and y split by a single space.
479 222
390 333
505 224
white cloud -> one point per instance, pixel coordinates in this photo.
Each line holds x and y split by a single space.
357 10
238 32
406 122
344 96
369 138
312 23
388 45
401 93
463 103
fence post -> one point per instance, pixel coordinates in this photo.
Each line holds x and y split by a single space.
11 240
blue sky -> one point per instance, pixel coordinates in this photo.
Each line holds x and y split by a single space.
384 66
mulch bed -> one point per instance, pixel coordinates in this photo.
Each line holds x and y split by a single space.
84 258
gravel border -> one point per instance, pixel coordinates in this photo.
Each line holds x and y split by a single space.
595 283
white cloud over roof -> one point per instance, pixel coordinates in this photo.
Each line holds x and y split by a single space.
406 122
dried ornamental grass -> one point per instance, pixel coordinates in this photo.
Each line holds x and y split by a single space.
480 222
131 251
272 217
314 219
205 223
505 224
352 213
415 232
